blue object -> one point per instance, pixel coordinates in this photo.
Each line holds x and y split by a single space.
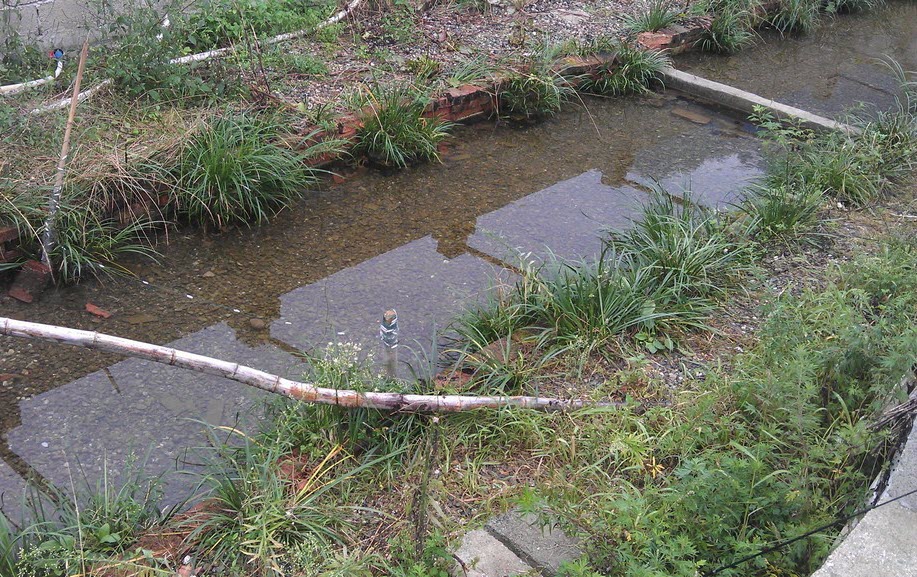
57 53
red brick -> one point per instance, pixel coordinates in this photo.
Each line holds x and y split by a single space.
463 92
654 40
8 233
9 255
92 309
31 280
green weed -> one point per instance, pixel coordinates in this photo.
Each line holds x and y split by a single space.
653 15
395 131
95 529
631 72
234 169
220 23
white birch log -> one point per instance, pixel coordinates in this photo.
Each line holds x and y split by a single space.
275 384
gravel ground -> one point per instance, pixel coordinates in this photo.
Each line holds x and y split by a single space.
386 45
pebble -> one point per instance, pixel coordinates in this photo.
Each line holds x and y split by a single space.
257 324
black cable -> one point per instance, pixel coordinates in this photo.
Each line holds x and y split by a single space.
783 544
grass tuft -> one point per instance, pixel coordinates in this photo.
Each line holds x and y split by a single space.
395 132
631 72
234 170
652 16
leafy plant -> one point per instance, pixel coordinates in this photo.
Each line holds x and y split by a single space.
95 529
395 131
399 24
20 62
221 23
652 15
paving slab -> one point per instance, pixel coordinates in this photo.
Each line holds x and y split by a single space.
884 542
542 547
483 555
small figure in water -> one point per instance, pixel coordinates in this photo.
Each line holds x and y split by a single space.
388 334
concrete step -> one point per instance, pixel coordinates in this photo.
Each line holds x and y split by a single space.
515 544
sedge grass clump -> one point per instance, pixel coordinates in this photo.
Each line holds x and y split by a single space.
631 72
584 305
536 90
395 132
233 169
652 16
87 239
686 246
781 212
799 16
732 28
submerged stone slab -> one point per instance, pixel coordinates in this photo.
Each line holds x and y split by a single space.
543 547
483 555
743 101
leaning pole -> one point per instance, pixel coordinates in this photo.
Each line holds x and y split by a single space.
306 392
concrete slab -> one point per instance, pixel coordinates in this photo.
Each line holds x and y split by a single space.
884 542
737 99
482 555
544 548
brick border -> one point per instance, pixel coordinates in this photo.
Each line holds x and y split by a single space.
463 104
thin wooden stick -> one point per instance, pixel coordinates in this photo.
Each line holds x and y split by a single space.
275 384
48 236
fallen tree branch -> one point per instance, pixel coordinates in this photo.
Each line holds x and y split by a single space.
275 384
343 13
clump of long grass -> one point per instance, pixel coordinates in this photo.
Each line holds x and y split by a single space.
687 247
535 90
395 131
652 15
87 239
631 72
234 169
796 16
781 211
732 28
